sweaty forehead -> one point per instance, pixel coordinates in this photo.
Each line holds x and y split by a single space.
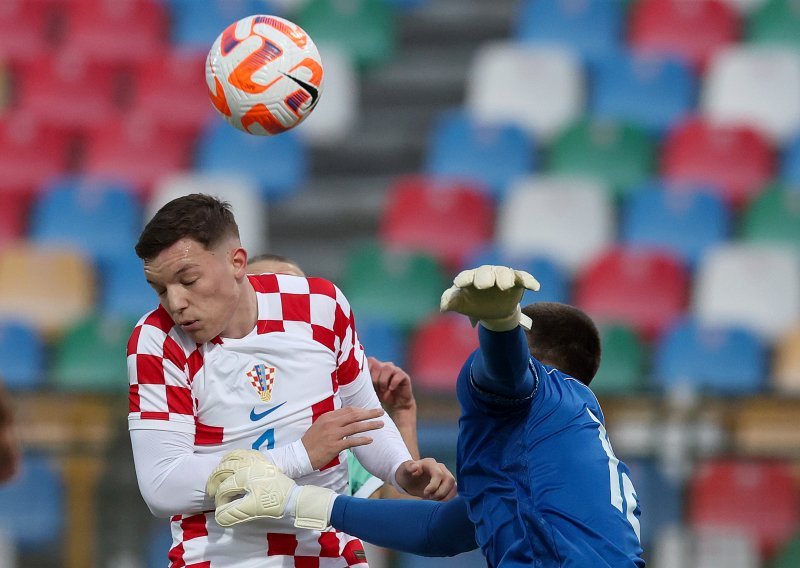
179 257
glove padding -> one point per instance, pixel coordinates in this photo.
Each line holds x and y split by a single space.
247 486
491 295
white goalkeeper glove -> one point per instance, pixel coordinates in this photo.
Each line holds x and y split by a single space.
491 295
247 486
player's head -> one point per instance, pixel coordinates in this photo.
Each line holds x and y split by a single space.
195 262
564 337
273 263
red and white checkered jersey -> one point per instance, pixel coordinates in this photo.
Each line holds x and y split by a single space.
261 391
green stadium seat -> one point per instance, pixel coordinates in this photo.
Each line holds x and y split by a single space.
774 22
403 287
788 556
623 363
619 154
363 29
91 356
774 217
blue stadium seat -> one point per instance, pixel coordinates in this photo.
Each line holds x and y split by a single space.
685 223
382 338
648 91
22 354
32 506
124 292
197 24
102 219
279 164
719 360
592 27
660 497
554 280
159 544
790 164
459 147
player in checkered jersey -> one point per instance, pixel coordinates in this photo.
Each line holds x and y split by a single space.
392 384
236 362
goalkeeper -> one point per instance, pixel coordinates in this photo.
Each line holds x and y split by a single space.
538 481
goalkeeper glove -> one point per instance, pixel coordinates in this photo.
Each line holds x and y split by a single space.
491 295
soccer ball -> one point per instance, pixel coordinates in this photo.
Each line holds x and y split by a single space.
264 75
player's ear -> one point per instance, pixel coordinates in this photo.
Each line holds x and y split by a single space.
239 262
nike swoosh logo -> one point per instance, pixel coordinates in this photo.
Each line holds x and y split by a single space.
312 90
254 417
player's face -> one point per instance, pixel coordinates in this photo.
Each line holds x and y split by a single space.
199 288
274 266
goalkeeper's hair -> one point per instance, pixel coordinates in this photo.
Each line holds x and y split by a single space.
202 218
564 337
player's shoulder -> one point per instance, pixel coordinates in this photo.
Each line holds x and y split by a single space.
154 331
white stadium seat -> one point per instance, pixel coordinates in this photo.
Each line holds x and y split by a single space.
567 219
755 86
539 88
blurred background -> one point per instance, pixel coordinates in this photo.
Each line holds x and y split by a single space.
640 158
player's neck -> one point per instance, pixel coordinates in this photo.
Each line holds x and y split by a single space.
244 318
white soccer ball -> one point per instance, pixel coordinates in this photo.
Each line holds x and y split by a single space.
264 75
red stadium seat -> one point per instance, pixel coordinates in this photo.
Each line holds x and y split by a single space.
449 221
170 87
647 290
736 161
437 351
23 29
691 30
136 150
66 89
117 31
757 498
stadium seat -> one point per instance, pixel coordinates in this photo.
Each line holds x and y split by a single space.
693 31
774 218
124 291
555 285
715 548
363 29
660 497
786 362
22 354
541 89
32 506
171 91
446 220
685 221
118 31
646 290
24 26
619 154
102 219
716 360
731 288
433 369
642 90
239 190
757 87
137 150
790 164
736 161
592 28
774 22
195 25
337 112
382 339
404 288
760 499
789 555
623 366
47 288
66 89
567 219
461 148
278 164
91 356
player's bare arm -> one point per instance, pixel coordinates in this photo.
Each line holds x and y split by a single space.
393 386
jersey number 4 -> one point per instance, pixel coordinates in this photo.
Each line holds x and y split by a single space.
621 484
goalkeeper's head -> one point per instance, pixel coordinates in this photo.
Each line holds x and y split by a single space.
564 337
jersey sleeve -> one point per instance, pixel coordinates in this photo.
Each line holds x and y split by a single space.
362 483
159 376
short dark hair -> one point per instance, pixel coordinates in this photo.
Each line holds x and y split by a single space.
270 257
200 217
564 337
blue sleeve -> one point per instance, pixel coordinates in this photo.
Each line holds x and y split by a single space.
426 528
501 366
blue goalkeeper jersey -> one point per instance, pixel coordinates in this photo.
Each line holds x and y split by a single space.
540 478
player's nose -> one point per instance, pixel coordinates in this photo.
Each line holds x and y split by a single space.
177 299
